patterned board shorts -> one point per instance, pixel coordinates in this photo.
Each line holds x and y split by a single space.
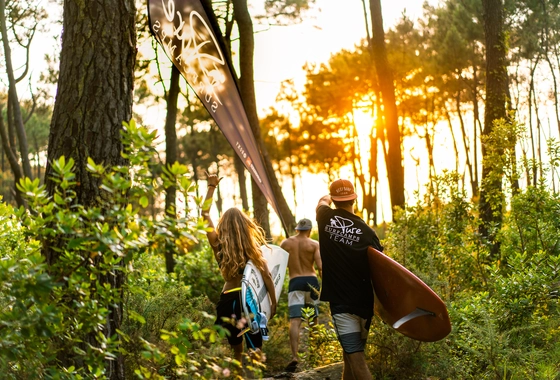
352 331
303 292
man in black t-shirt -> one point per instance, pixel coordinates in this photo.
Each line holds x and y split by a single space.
343 240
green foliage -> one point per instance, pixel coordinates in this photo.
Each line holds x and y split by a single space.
200 273
56 319
169 331
504 315
322 344
27 320
185 356
532 224
287 11
436 240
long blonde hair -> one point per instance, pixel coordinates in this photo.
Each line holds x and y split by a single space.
240 239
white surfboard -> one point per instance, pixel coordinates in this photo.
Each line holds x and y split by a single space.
254 295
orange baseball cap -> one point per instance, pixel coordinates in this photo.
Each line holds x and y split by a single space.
342 190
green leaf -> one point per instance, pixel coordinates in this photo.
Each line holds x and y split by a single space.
75 243
58 199
144 201
136 317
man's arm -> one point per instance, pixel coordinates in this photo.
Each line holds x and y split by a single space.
317 258
324 201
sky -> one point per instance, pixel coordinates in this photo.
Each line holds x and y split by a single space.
281 51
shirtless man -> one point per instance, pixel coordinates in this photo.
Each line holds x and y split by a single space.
304 286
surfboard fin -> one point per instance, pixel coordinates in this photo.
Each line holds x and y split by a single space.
418 312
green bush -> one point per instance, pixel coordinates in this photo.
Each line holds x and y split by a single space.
198 270
55 321
28 321
504 314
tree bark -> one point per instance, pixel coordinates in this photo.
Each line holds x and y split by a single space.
237 163
94 97
12 160
395 169
247 90
496 100
240 169
171 152
466 147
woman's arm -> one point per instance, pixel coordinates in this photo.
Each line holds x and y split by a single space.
213 181
267 278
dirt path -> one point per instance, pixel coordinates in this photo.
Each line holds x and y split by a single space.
328 372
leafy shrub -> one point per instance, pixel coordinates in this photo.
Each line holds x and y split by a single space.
199 271
437 240
27 320
59 320
504 314
322 344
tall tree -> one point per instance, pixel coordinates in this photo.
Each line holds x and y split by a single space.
225 13
491 197
171 98
247 90
94 97
394 161
454 58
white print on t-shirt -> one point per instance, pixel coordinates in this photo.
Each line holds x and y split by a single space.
341 230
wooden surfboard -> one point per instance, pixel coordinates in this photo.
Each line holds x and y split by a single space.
254 295
405 302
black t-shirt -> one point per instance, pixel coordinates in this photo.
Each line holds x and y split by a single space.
344 239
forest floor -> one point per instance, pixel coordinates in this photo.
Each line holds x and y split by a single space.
328 372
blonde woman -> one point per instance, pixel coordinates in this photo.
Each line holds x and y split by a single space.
235 240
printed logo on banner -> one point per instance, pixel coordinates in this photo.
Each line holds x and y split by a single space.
197 54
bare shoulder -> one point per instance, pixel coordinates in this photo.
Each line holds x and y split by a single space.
286 243
313 243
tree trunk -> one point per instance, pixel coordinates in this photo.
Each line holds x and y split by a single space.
454 139
12 160
466 146
171 152
476 127
94 97
13 99
395 170
491 202
237 163
373 175
534 172
240 169
247 90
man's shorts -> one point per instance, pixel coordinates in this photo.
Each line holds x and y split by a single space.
351 329
303 291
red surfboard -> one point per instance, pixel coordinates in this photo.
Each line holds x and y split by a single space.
406 303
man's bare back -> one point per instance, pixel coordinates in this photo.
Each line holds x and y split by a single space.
304 252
